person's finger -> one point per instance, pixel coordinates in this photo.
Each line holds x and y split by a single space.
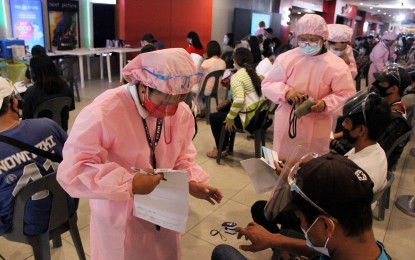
210 200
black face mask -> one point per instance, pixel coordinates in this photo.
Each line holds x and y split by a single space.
381 90
346 135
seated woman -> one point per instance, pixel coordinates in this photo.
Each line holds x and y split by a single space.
212 63
195 46
47 85
247 96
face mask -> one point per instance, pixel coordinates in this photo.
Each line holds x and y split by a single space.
225 40
311 51
362 51
337 53
189 40
159 111
382 91
323 249
346 135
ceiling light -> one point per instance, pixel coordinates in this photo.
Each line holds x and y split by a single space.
400 17
390 15
378 11
384 13
361 3
371 7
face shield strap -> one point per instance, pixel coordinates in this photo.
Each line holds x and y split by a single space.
186 82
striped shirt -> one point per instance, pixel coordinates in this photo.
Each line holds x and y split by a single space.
244 98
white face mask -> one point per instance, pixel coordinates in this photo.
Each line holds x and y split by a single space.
225 40
337 53
321 249
189 40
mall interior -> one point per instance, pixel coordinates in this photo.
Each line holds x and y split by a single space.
97 38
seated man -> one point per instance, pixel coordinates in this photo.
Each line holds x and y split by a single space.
18 167
331 196
366 118
390 84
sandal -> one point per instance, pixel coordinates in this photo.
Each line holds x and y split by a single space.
214 153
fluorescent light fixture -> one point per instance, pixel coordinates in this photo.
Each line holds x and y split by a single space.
361 3
378 11
112 2
299 13
384 13
371 7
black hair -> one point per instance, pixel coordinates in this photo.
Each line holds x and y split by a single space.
213 49
231 41
255 50
378 116
45 75
5 106
38 50
148 48
195 40
243 58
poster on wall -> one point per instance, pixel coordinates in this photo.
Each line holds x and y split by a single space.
26 16
63 24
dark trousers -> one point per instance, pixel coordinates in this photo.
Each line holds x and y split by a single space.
288 220
216 122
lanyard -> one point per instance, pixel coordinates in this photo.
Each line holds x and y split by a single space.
152 145
292 129
156 139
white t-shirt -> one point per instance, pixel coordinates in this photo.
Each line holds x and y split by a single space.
373 161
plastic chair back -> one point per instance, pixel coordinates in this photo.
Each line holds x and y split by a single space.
382 196
53 109
59 221
217 74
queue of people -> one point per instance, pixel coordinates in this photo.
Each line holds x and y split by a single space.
331 194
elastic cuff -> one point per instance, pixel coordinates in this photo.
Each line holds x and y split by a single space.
229 121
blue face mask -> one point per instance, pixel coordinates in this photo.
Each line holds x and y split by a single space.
321 249
310 50
337 53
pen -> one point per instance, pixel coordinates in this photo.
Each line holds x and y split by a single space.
141 171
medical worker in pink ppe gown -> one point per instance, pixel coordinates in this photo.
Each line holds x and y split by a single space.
307 71
141 124
339 39
381 54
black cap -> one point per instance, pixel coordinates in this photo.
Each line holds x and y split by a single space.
405 79
148 38
336 184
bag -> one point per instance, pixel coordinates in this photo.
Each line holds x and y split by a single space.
256 124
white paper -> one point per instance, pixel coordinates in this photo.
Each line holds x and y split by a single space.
168 205
269 156
262 176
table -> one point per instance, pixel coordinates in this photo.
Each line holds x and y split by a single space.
80 53
101 52
122 53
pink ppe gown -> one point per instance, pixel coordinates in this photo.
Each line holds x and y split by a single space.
379 56
108 138
352 65
325 77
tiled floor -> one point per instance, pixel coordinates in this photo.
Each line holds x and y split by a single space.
397 231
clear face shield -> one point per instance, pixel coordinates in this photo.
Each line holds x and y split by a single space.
160 104
356 104
287 182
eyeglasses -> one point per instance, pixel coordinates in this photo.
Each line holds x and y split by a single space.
304 43
294 181
185 83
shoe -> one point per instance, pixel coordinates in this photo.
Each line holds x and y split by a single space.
214 153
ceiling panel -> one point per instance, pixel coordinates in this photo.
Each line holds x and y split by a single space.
387 9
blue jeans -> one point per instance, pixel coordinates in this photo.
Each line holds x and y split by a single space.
226 252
